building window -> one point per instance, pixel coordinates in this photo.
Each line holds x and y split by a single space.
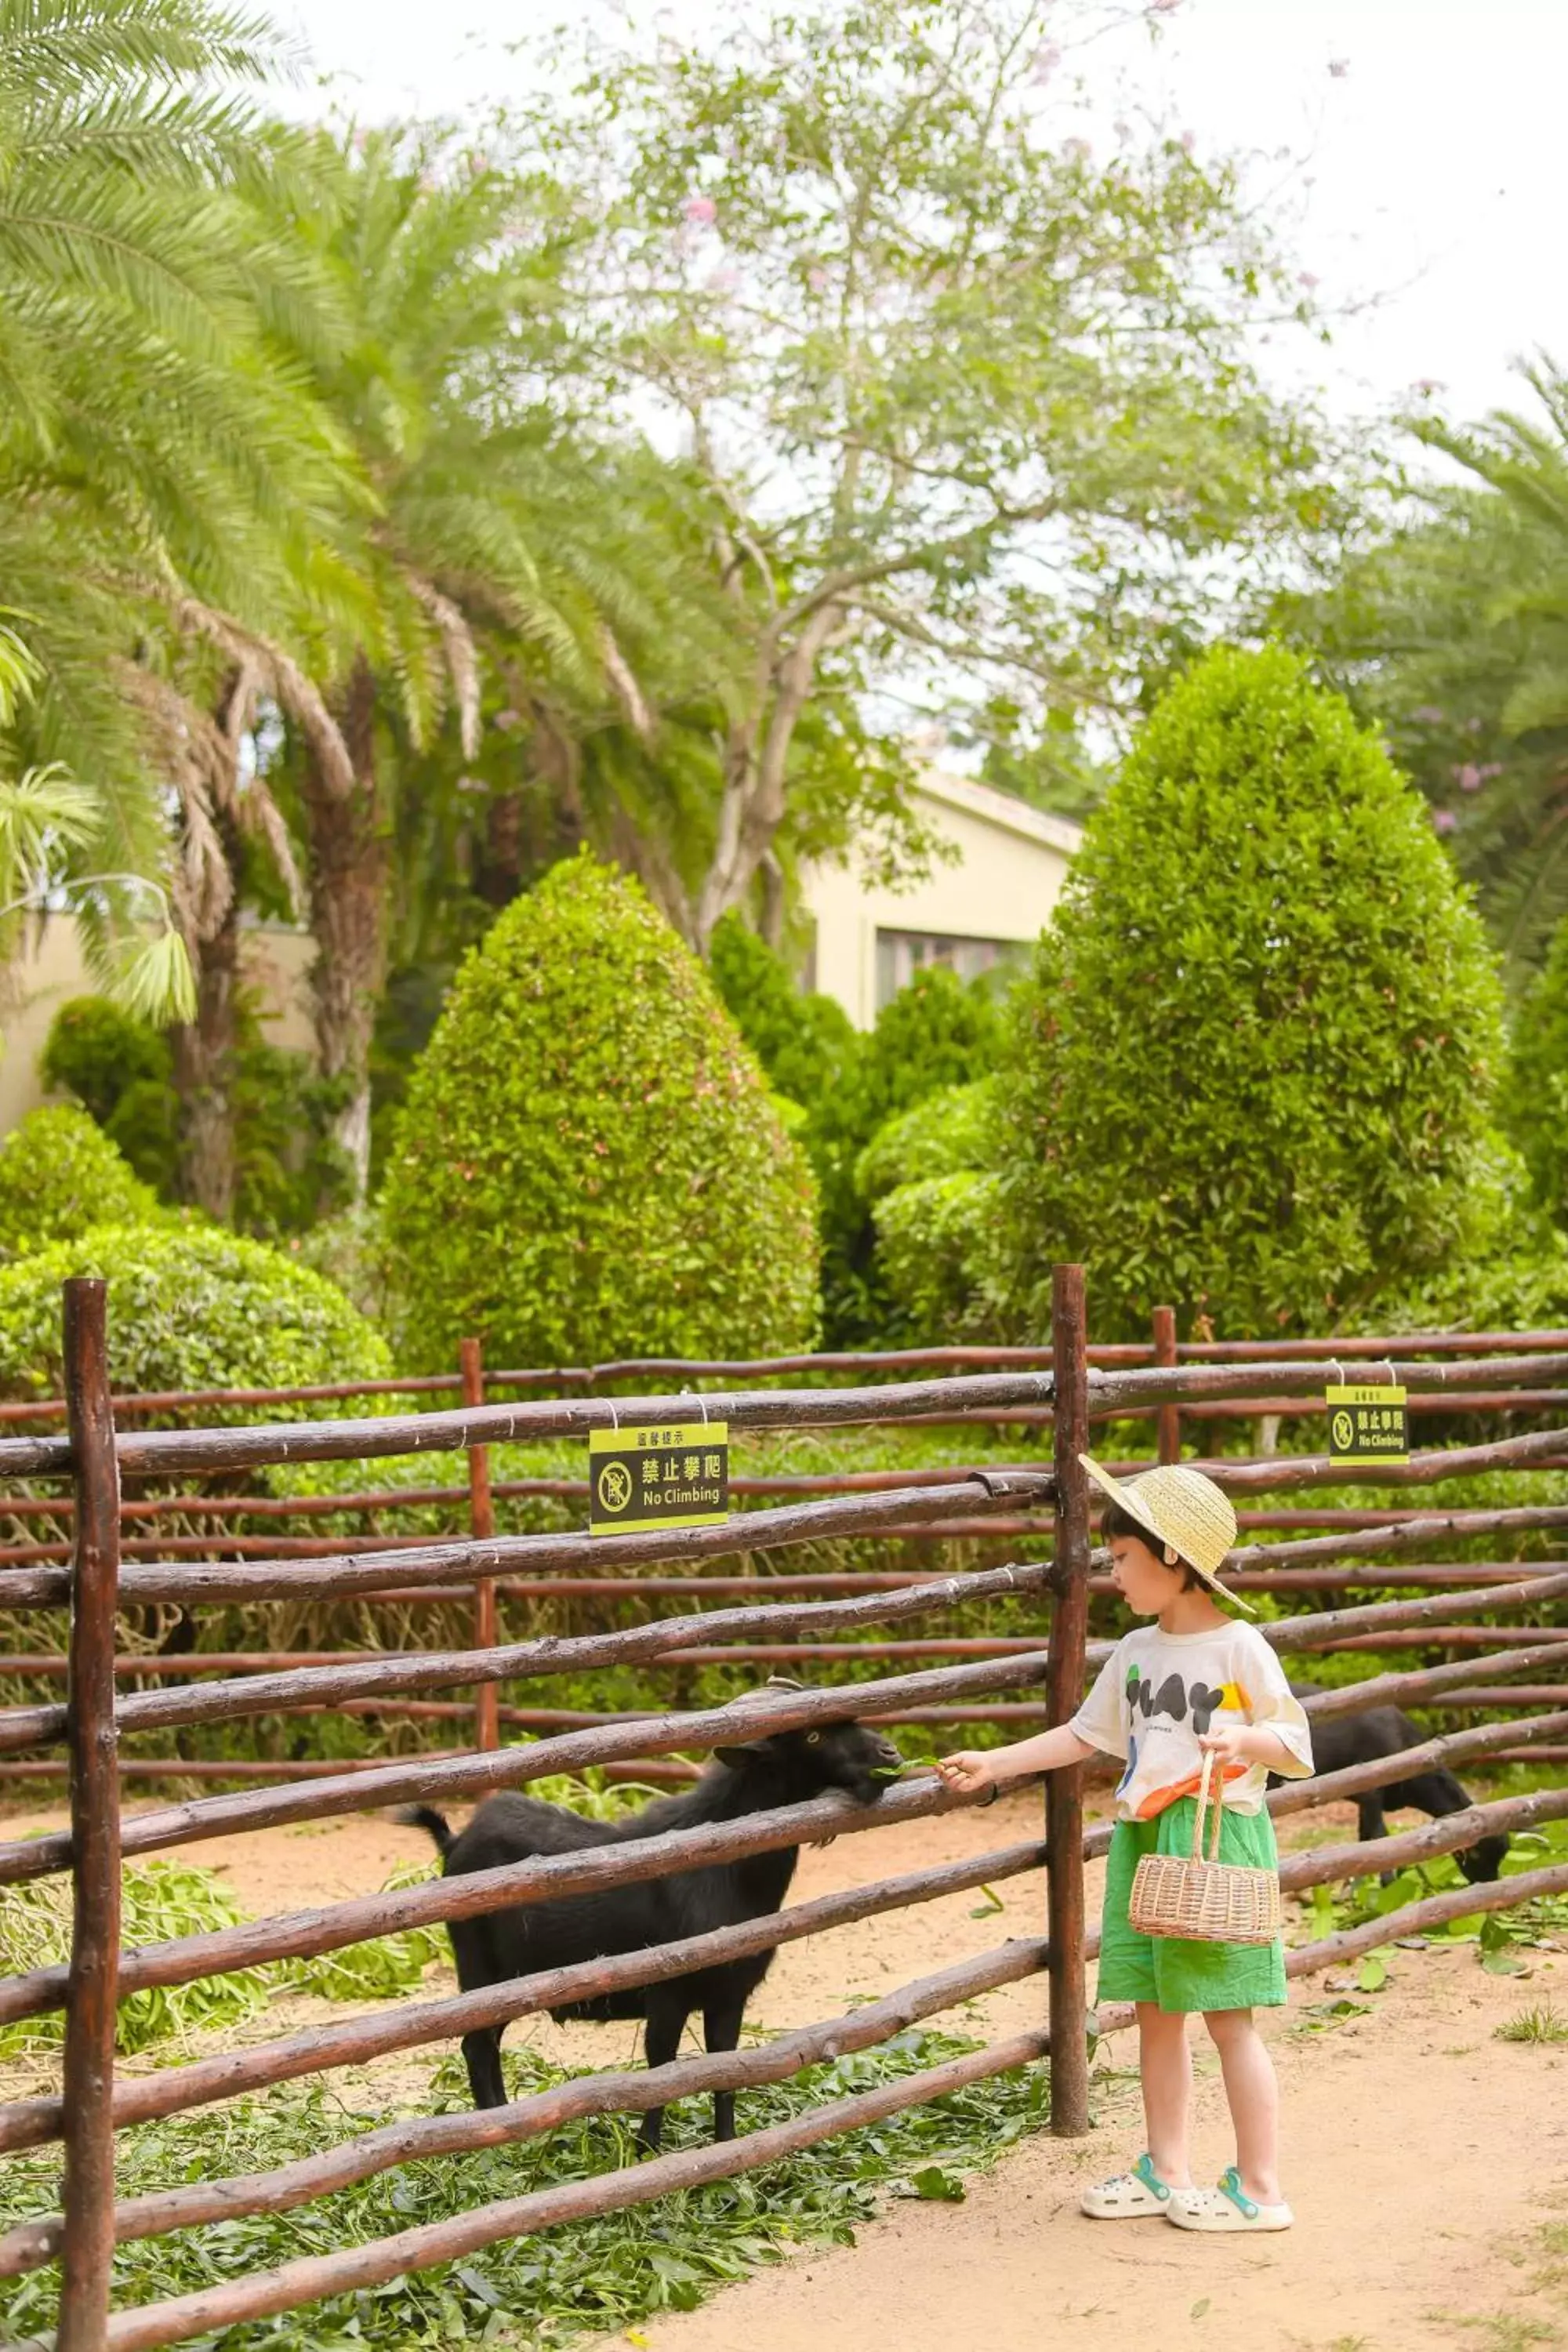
900 954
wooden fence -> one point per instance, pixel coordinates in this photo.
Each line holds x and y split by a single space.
786 1617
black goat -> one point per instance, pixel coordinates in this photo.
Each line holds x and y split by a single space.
784 1770
1339 1741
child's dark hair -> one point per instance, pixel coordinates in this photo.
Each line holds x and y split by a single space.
1120 1521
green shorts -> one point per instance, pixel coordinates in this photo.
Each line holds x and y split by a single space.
1174 1974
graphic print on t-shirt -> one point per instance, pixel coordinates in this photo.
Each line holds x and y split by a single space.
1177 1701
1159 1694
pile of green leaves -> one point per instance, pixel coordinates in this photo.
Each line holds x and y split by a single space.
1501 1936
160 1900
581 2279
165 1900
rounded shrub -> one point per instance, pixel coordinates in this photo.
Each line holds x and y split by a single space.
60 1174
938 1032
804 1041
1253 1070
949 1131
935 1243
588 1163
190 1306
1535 1089
96 1050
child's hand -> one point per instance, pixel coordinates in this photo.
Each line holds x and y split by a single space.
1232 1743
967 1773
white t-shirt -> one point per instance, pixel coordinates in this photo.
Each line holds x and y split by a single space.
1158 1693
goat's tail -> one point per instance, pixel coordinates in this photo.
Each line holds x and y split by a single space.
425 1817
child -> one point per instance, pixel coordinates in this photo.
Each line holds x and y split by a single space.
1194 1680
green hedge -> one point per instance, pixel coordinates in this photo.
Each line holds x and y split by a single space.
934 1248
937 1033
589 1163
60 1175
189 1308
949 1131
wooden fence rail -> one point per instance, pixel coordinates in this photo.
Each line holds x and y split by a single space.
793 1617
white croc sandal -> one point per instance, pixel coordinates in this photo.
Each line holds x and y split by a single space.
1128 2196
1228 2207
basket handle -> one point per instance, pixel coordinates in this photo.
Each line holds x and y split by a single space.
1212 1784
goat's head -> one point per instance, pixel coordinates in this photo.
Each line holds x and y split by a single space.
847 1755
1484 1860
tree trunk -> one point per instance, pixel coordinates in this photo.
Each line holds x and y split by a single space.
348 884
203 1065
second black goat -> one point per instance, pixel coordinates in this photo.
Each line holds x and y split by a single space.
787 1768
1339 1740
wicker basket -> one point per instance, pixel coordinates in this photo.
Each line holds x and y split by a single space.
1205 1901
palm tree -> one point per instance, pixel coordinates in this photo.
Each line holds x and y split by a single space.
499 538
162 465
1452 631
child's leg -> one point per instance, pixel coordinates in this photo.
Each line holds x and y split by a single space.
1165 2069
1253 2096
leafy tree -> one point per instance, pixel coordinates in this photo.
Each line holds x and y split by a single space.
283 1172
944 1133
157 460
935 1247
500 548
933 1195
95 1050
588 1165
925 352
1449 631
1253 1071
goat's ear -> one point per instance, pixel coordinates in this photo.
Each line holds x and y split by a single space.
737 1759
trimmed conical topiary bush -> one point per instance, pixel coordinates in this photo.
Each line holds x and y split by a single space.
1253 1071
588 1164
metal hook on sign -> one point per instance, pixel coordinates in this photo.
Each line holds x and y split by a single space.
697 1399
1339 1371
615 1416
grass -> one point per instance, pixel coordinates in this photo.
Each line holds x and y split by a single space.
545 2290
1539 2024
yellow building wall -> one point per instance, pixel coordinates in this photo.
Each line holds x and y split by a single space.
1002 886
275 961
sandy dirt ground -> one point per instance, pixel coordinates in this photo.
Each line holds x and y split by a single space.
1427 2160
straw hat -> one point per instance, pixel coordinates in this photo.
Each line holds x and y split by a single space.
1181 1508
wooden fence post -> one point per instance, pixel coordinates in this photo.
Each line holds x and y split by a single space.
482 1523
1069 1634
1169 1423
87 2080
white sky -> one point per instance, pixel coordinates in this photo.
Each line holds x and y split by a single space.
1434 159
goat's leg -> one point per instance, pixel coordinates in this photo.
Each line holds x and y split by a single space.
661 2039
482 2055
1370 1821
722 2030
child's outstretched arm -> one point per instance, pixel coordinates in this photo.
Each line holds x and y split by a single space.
974 1769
